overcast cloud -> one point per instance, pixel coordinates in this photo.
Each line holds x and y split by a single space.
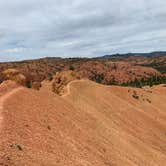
80 28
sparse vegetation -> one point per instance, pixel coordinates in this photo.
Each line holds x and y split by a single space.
34 130
28 84
97 77
160 66
153 80
135 95
148 100
72 68
17 146
50 76
100 70
113 82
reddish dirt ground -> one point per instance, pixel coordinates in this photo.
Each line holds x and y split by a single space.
90 125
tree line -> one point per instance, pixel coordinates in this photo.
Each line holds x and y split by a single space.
153 80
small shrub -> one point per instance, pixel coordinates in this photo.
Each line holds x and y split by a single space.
72 67
135 96
148 100
17 146
50 77
28 84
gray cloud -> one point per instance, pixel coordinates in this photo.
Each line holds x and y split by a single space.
32 29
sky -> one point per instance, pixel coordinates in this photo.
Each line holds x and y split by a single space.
80 28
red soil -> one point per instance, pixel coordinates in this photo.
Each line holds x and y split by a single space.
92 125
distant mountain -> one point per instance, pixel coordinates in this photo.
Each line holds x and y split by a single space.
152 54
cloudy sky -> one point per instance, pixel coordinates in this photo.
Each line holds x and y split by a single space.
80 28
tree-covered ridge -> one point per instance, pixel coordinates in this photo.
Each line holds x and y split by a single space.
159 65
153 80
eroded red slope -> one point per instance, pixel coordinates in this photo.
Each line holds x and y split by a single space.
91 125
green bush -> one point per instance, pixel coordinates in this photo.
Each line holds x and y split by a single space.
28 84
72 67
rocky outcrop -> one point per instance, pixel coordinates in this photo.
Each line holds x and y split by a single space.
14 75
62 79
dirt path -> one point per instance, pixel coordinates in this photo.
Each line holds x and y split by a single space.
3 98
68 87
